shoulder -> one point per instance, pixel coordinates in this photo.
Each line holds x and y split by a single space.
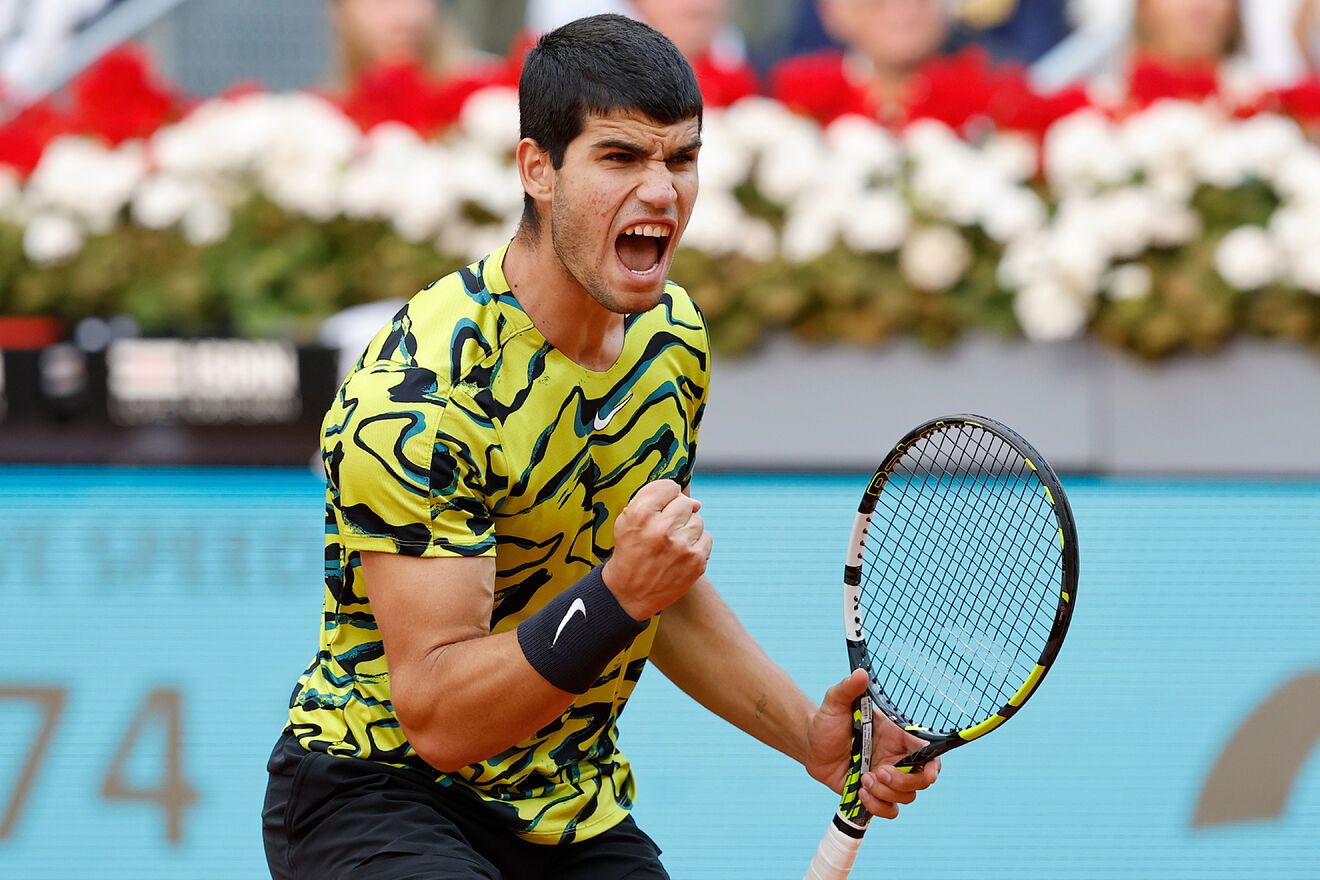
681 313
445 332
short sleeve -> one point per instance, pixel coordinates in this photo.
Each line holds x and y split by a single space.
408 465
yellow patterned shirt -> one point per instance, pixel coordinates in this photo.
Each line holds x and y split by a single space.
463 432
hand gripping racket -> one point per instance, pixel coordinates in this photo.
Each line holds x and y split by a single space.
959 582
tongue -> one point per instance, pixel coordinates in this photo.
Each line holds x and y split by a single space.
637 252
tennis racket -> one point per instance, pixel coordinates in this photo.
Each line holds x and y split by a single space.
959 583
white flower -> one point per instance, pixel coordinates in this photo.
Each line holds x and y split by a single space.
1049 312
1267 141
797 165
810 231
934 258
1128 282
878 222
757 240
83 179
1220 161
1083 152
162 201
1298 177
1304 270
51 238
1174 223
1129 214
761 124
206 222
1024 260
715 224
861 143
725 163
1248 258
1012 212
1168 133
490 119
1015 157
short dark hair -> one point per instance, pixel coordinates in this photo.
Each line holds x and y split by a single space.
595 66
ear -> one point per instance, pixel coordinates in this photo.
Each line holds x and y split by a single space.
537 173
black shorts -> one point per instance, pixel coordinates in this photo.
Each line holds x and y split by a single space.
327 818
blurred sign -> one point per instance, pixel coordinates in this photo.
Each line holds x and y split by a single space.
205 381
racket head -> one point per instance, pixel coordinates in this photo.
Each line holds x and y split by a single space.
960 579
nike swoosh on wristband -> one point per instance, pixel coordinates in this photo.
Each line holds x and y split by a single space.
578 605
603 422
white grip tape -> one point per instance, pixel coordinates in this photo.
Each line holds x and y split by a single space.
834 857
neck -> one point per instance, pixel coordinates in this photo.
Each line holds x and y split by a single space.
562 311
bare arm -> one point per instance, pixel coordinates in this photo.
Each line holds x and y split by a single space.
704 649
460 693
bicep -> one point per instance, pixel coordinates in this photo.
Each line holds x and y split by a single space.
422 605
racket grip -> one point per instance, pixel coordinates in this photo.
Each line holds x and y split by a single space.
834 856
918 759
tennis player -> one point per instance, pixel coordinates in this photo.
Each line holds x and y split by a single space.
509 536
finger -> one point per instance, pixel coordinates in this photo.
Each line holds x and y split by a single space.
898 780
878 784
677 512
932 771
705 544
692 530
881 809
840 697
655 495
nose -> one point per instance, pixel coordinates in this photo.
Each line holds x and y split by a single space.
657 187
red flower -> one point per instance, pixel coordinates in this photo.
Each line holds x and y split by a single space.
397 93
23 138
1301 100
1016 106
723 84
817 85
954 90
117 99
1154 79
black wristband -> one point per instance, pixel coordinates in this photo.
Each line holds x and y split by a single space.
571 640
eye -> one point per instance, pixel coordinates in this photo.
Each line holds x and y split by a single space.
619 158
682 160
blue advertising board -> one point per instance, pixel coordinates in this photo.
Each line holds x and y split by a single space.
157 620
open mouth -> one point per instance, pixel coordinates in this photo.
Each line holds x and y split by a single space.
641 247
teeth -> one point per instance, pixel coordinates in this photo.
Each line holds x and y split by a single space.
648 231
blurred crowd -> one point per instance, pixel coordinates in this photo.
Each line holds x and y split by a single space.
963 62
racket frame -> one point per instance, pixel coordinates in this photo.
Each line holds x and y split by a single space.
839 847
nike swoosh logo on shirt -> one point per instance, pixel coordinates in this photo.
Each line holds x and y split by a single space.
578 605
602 422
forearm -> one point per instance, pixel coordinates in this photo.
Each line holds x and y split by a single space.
704 649
470 700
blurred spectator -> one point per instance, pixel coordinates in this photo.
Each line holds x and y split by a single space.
888 43
373 34
1011 30
1187 49
1283 42
546 15
698 29
406 61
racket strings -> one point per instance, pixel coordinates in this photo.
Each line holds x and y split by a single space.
958 578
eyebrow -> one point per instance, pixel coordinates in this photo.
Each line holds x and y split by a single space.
638 150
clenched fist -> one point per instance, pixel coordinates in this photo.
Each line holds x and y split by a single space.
660 549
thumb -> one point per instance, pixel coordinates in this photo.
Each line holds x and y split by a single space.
841 697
